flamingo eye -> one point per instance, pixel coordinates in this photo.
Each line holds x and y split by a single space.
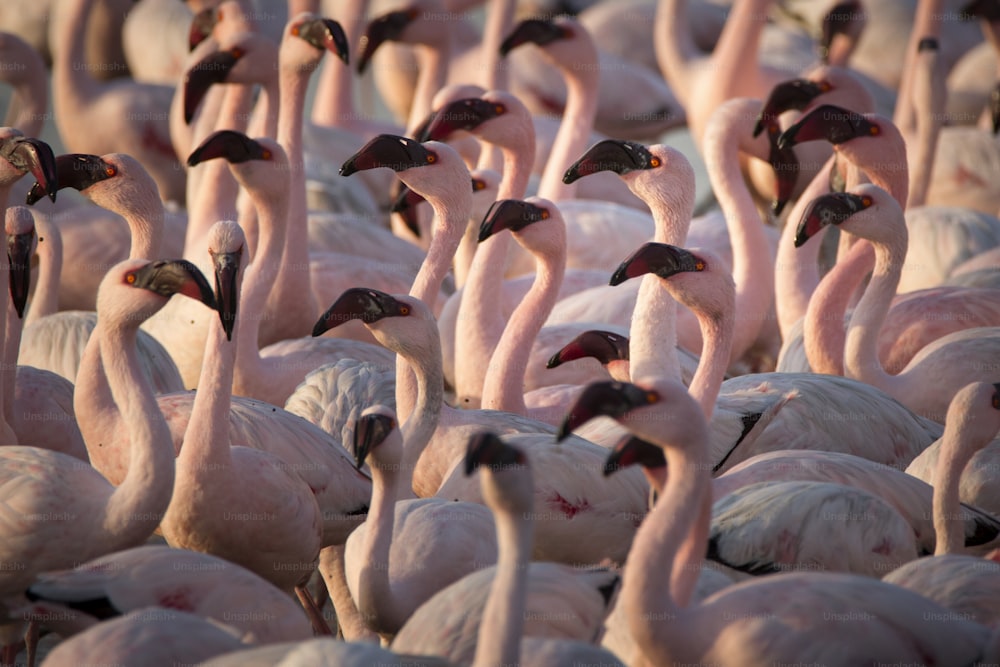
130 278
431 158
875 130
500 108
652 397
654 162
545 215
110 170
699 265
867 201
266 154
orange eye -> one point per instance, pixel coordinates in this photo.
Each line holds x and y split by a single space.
266 154
654 162
478 185
431 158
545 215
130 278
825 86
236 52
404 310
867 201
699 265
652 397
110 170
500 108
875 131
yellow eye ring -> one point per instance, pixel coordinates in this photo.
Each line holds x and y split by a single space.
110 170
431 158
405 310
654 162
130 278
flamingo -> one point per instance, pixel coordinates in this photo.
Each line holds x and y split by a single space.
747 621
69 510
158 635
177 579
962 583
408 548
405 325
274 530
872 213
38 405
83 106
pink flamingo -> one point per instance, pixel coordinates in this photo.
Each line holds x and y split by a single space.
664 565
964 584
872 213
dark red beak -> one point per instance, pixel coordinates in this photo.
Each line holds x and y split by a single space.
660 259
230 145
829 122
604 399
388 150
829 209
604 346
324 34
533 31
179 276
614 155
386 28
512 214
465 114
33 156
212 69
360 303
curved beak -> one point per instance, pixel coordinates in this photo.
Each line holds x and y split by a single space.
359 303
631 450
487 449
604 399
794 94
512 214
324 34
179 276
829 209
601 345
19 250
201 27
34 156
388 150
370 431
533 31
842 19
829 122
405 205
660 259
227 270
785 164
78 171
386 28
212 69
235 147
614 155
464 114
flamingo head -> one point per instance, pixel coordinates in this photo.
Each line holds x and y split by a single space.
34 156
608 399
21 242
831 123
464 114
169 277
844 18
631 450
213 68
794 94
78 171
227 269
604 346
370 431
235 147
614 155
533 31
389 150
829 209
386 28
661 259
360 303
324 34
512 214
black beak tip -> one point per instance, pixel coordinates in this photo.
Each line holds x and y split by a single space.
778 205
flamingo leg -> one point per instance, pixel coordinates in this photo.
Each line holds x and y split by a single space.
319 624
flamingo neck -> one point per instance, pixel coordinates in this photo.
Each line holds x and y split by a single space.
582 81
259 277
653 332
138 504
375 596
73 85
30 96
717 337
145 220
45 300
503 388
499 17
205 453
95 409
675 47
929 92
753 270
334 100
12 343
480 320
796 270
861 360
7 436
502 624
432 64
823 331
957 448
418 427
670 540
264 121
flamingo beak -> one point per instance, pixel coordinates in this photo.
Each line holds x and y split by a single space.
360 303
386 28
370 431
832 123
533 31
464 114
179 276
201 27
785 164
631 450
212 69
324 34
614 155
19 250
794 94
842 19
512 214
601 345
405 205
660 259
607 399
227 269
230 145
487 449
829 209
27 154
388 150
75 170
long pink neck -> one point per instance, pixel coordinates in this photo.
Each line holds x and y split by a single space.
137 505
292 291
796 270
861 361
717 337
264 120
333 104
12 343
929 95
258 279
480 322
823 330
503 388
926 23
502 624
670 540
7 436
30 95
499 17
675 47
145 221
957 448
74 87
753 270
582 80
45 300
432 62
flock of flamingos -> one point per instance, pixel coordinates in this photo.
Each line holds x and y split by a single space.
297 365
